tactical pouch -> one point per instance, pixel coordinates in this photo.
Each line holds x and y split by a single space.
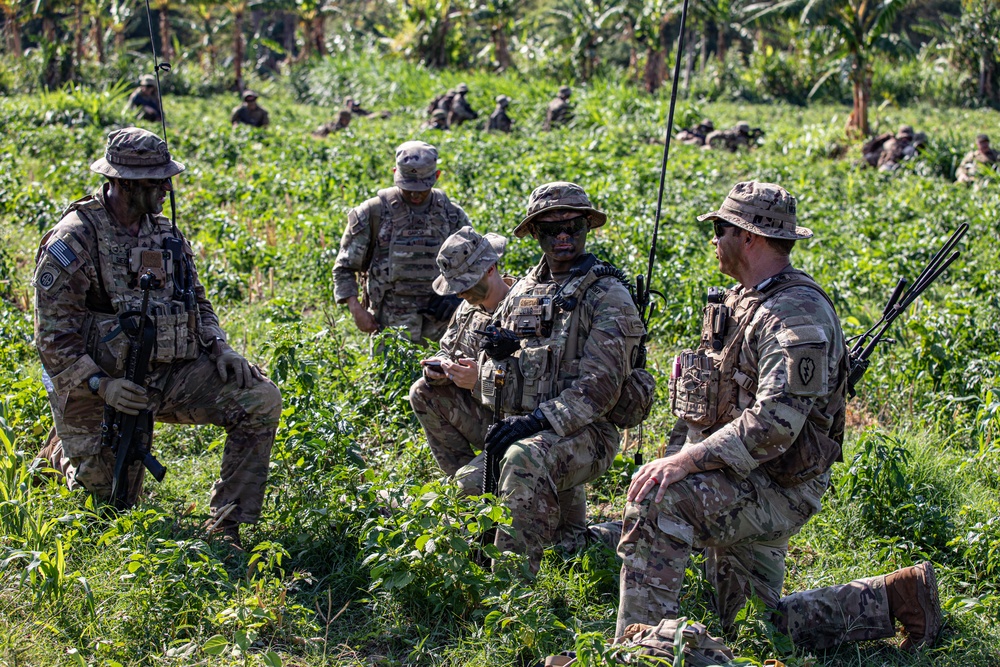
413 261
635 400
110 355
510 403
537 372
694 389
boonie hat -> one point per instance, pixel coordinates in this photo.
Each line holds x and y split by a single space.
133 153
559 196
147 80
503 100
248 94
416 166
464 258
439 113
706 123
764 209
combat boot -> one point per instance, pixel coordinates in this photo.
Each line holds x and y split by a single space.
913 601
228 531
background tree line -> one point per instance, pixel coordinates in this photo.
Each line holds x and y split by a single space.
794 50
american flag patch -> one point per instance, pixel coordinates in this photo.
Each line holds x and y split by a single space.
62 252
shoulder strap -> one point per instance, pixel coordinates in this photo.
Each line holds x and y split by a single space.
374 224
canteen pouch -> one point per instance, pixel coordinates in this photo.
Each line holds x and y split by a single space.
635 400
694 389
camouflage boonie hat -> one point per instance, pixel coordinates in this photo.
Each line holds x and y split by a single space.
461 88
565 91
416 166
133 153
503 100
464 258
905 131
559 196
764 209
249 94
147 80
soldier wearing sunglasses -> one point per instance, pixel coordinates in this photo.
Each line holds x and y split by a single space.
572 333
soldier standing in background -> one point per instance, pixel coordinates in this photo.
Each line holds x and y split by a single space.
249 113
559 111
87 273
392 240
761 407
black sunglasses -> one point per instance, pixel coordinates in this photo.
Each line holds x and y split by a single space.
155 182
721 227
571 227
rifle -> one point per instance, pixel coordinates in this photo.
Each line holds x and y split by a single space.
491 463
899 301
130 436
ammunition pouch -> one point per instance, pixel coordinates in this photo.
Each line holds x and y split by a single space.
694 389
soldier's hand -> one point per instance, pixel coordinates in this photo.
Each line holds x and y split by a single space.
658 475
464 372
124 396
244 374
503 434
498 343
363 320
433 368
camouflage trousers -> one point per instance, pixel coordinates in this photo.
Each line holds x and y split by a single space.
453 421
188 392
542 482
827 617
743 525
401 311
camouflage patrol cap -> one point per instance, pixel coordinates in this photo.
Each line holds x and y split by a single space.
503 100
461 88
559 196
565 91
905 131
764 209
147 80
981 138
133 153
464 258
416 166
249 95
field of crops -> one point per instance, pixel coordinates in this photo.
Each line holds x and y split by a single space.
362 555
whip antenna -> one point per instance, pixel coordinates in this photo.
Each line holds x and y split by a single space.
157 67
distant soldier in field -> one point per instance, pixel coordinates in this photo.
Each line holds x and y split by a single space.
968 169
88 267
446 399
499 120
567 338
761 408
249 113
343 120
392 241
354 107
441 102
897 149
145 100
460 110
695 136
737 137
438 120
559 111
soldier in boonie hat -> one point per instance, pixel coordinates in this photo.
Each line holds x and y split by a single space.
145 99
147 80
565 92
905 131
250 113
764 209
134 153
502 100
464 258
559 196
416 166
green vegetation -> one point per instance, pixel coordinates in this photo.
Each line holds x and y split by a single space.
363 553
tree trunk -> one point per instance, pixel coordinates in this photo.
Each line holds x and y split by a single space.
120 41
862 84
319 33
441 59
288 23
77 59
689 62
720 42
504 61
166 46
14 44
653 76
238 49
97 36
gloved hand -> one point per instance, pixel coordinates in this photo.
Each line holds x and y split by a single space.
441 308
503 434
244 372
498 343
124 396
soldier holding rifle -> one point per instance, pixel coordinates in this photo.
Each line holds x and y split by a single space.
88 274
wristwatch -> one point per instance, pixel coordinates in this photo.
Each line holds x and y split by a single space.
94 382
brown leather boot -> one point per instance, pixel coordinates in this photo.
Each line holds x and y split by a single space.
913 601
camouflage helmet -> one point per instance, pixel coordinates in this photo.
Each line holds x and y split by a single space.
147 80
905 131
249 95
559 196
502 100
464 258
565 92
461 89
133 153
764 209
416 166
743 126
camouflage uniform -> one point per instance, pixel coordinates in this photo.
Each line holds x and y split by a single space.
343 120
968 169
244 115
460 110
140 100
571 366
499 120
438 120
559 111
86 275
454 419
739 136
400 264
695 136
896 149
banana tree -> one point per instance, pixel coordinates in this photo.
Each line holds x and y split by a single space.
499 17
15 14
582 26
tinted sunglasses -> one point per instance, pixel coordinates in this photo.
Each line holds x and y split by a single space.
720 228
570 227
154 182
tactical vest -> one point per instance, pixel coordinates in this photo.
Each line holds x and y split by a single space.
122 259
547 319
705 383
405 246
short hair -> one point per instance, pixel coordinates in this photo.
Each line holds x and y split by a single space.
783 246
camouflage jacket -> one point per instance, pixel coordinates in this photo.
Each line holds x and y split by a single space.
75 307
969 167
256 117
386 262
499 121
460 111
791 369
559 112
573 370
139 100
